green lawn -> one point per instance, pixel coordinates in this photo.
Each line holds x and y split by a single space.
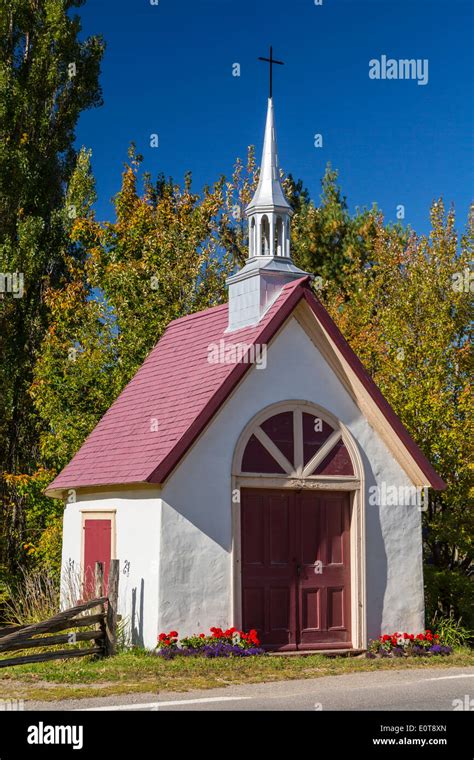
139 671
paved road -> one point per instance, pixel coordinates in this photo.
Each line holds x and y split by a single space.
433 689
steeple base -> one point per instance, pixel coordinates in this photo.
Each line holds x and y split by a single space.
254 288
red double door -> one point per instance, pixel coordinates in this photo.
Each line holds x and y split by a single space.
296 568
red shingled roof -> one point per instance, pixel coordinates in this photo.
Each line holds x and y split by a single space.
177 386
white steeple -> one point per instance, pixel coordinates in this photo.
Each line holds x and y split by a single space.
269 267
269 194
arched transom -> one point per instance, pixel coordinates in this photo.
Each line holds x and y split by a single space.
297 443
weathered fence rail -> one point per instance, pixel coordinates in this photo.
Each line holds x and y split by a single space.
103 636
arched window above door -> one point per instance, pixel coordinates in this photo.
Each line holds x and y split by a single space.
298 442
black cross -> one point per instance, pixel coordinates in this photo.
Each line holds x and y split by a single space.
271 61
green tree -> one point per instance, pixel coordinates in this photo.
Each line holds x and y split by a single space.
407 316
161 259
326 237
48 76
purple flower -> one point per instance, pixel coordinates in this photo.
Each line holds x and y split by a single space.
218 649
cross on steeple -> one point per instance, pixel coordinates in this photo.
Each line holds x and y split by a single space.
271 61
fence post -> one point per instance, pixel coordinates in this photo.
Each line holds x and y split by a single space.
111 619
99 591
99 579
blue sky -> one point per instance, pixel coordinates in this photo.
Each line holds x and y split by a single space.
168 70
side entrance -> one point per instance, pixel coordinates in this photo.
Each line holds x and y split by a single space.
296 584
97 547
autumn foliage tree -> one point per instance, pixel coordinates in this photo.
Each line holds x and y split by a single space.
407 316
161 259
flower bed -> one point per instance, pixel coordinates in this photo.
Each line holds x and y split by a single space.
219 643
407 645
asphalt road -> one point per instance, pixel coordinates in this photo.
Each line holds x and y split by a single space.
432 689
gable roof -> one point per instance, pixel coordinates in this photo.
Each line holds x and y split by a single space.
178 391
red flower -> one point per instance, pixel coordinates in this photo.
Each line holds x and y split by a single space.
162 636
436 636
202 635
254 637
173 633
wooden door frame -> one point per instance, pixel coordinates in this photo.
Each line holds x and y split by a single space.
353 486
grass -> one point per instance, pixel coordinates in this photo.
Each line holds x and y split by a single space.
140 671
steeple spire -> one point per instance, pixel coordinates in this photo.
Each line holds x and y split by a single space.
269 267
269 195
269 212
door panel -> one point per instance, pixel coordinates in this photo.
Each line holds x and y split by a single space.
323 544
335 608
311 609
268 592
296 568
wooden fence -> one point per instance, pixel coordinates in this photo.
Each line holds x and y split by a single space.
103 636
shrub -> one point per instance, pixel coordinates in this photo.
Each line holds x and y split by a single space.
31 598
451 632
35 594
219 643
408 644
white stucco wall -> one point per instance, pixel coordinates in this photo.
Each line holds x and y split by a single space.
137 528
185 540
196 529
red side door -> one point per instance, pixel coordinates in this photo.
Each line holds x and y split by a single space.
296 568
97 548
